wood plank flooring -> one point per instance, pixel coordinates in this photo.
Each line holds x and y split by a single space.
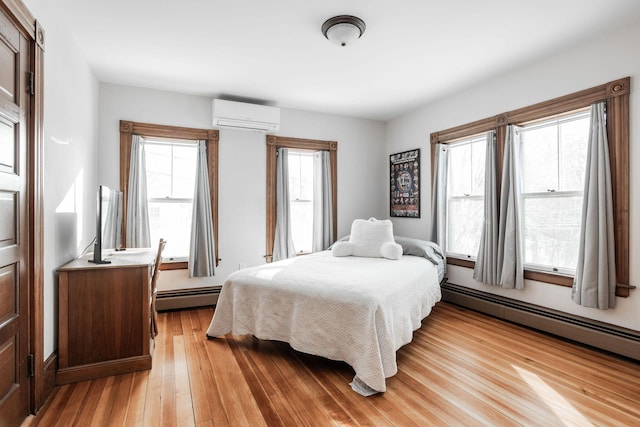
462 368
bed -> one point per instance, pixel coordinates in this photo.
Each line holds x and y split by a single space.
359 310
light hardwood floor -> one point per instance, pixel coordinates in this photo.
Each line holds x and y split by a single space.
462 368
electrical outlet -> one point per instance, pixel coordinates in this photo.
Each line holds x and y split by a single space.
242 265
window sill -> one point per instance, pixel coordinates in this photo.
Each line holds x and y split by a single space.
461 262
173 265
538 276
553 278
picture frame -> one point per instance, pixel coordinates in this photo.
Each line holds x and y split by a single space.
404 180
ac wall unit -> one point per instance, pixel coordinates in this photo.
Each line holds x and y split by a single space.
240 115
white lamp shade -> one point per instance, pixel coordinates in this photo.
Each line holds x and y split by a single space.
343 34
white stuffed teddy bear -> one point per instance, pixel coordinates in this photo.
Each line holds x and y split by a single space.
369 238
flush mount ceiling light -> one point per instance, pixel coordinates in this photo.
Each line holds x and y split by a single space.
343 30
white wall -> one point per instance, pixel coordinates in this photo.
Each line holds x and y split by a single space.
70 156
589 64
242 161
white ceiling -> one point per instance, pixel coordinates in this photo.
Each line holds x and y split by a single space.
272 51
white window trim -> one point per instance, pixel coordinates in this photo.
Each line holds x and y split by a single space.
170 200
306 153
466 141
552 192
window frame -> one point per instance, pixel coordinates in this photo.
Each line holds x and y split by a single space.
300 153
274 142
552 192
616 95
170 200
129 128
466 141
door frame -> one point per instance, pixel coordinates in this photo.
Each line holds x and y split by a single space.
33 31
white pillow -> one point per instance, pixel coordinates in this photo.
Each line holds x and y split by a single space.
369 238
391 250
342 249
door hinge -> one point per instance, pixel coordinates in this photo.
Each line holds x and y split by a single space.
32 84
32 365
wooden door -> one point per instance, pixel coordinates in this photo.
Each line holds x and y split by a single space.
15 60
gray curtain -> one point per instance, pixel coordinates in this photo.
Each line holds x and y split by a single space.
594 284
322 202
111 234
439 197
283 243
202 253
137 204
485 270
510 236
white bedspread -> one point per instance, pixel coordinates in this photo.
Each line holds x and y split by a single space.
356 310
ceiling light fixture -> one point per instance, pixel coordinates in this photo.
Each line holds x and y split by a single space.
343 30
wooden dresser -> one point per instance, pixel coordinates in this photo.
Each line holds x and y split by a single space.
104 316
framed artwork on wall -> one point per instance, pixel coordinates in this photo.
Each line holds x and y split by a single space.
405 184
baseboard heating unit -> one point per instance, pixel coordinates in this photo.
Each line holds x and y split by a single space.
622 341
187 298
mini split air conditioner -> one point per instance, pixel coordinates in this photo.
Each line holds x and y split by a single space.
240 115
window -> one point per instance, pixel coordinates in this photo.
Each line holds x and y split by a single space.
300 146
170 182
301 199
554 168
171 169
553 162
465 196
